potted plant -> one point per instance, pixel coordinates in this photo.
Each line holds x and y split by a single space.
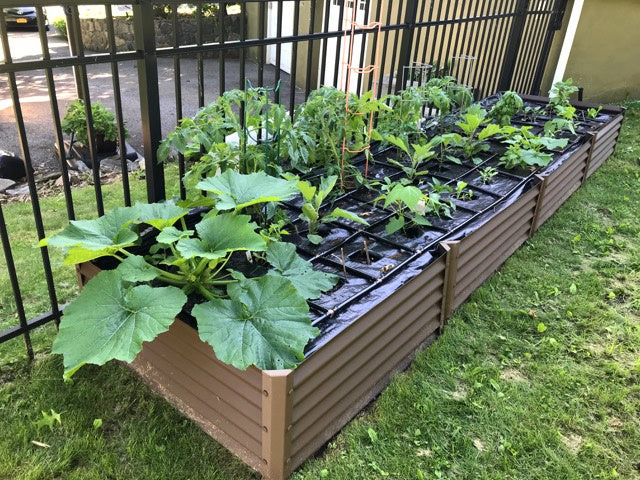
74 123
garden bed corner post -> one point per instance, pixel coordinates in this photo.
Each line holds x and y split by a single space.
277 393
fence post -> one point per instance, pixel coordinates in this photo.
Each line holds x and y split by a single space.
408 32
513 45
144 29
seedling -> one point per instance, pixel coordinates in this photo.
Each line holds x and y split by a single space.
418 155
594 112
411 206
472 143
462 192
314 198
487 174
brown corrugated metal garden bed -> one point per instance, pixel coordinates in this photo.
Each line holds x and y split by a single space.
395 295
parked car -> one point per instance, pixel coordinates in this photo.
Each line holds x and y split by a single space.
23 17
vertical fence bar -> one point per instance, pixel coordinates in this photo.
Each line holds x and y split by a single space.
341 26
325 28
71 40
262 20
280 6
222 73
513 45
312 23
83 88
294 57
177 88
117 98
145 34
408 32
55 112
15 285
28 166
199 42
243 50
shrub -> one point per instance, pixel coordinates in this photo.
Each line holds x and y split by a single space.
60 24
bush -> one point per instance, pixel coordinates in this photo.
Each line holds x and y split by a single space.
60 24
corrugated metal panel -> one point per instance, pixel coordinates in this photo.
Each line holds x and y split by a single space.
482 252
187 378
333 384
384 364
318 366
603 151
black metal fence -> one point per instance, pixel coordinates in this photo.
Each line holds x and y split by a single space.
489 45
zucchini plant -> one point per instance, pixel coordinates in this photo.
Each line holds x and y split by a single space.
528 150
257 316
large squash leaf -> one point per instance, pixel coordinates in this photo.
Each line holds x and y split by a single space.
220 235
89 239
236 190
264 323
159 215
287 263
111 318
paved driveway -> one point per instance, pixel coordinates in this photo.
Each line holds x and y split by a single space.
34 98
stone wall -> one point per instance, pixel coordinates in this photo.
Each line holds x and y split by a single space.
94 32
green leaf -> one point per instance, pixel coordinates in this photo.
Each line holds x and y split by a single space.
307 190
97 423
398 142
395 224
89 239
110 319
340 213
573 289
136 269
315 239
489 131
159 215
236 191
221 235
287 263
542 327
264 323
171 235
49 420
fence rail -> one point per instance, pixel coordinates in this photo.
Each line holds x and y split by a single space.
159 77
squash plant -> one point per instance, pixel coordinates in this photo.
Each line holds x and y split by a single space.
256 317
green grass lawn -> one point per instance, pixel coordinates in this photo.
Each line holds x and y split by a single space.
536 376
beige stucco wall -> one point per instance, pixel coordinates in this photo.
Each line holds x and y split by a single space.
605 57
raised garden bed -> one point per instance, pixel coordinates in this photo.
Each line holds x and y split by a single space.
395 295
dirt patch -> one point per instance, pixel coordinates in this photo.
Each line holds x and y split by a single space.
424 452
513 375
573 442
460 393
479 445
